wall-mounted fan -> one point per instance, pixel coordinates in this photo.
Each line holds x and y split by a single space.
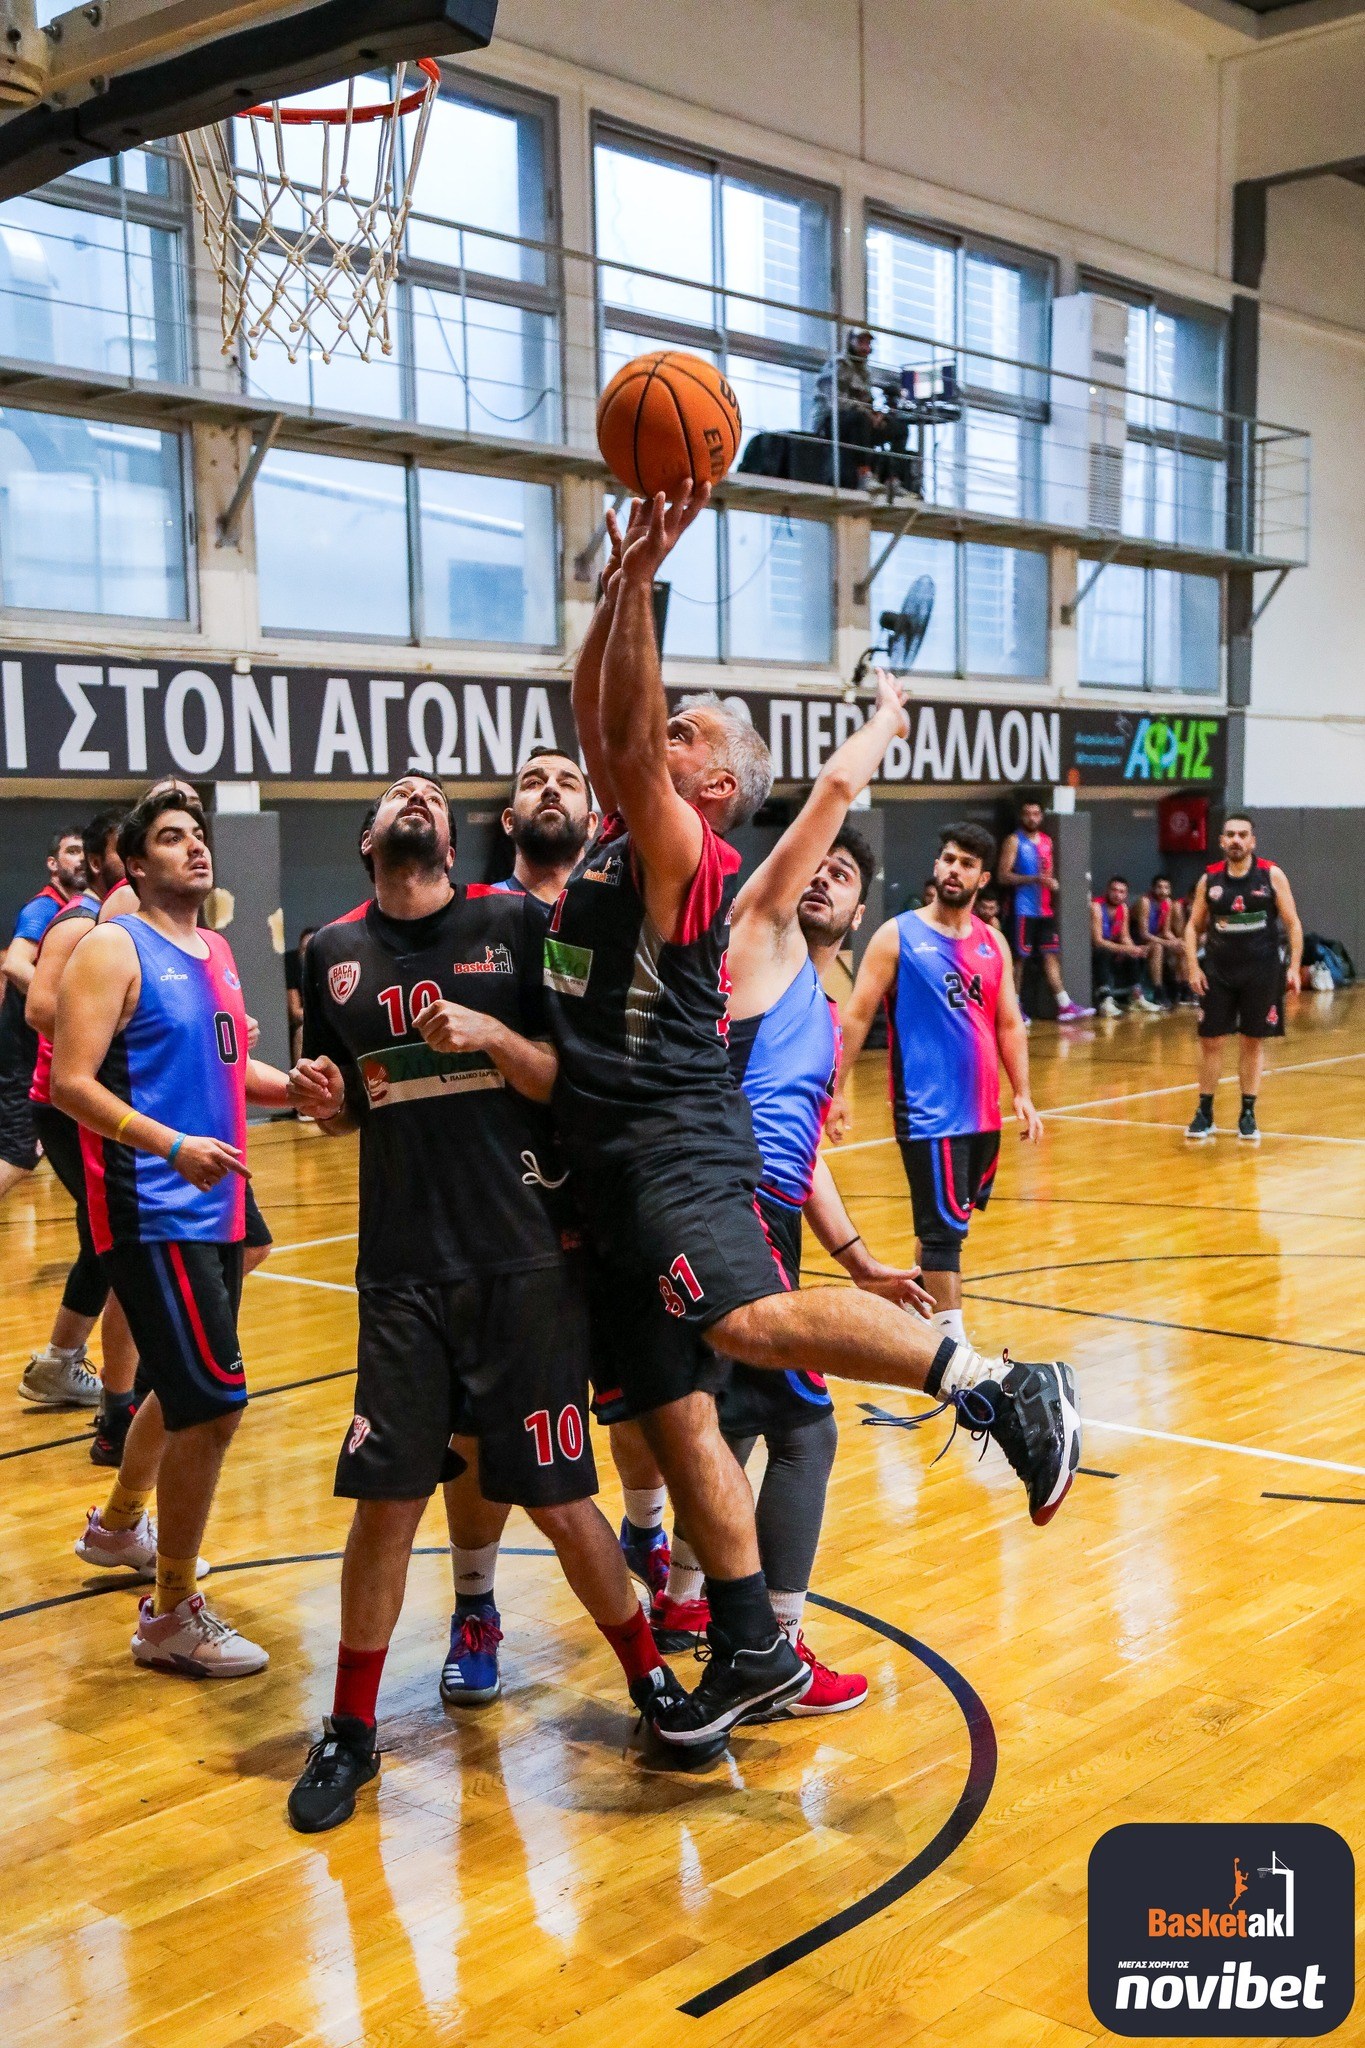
904 630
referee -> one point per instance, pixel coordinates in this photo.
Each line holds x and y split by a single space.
1243 911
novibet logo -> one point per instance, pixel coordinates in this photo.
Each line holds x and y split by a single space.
1218 1930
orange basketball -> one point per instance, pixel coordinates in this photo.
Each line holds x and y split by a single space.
666 418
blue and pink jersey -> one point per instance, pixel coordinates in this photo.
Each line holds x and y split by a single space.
1033 857
1113 920
945 1073
787 1063
181 1058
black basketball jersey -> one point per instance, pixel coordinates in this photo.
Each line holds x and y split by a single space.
1244 918
638 1018
458 1172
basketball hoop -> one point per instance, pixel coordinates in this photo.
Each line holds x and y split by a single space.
304 210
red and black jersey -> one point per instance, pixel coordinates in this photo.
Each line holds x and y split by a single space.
639 1018
458 1172
1244 919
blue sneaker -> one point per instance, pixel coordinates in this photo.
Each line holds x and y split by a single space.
647 1560
469 1676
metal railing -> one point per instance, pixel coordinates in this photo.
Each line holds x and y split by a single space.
508 340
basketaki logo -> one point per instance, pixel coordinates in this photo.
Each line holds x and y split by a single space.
1171 750
1222 1930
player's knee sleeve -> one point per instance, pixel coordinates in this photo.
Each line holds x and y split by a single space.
86 1289
791 1500
940 1249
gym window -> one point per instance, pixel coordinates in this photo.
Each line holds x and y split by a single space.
92 270
476 311
347 549
749 263
990 605
751 586
984 308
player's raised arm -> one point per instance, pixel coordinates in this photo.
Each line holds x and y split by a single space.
586 692
1293 924
1011 1038
876 979
775 888
633 713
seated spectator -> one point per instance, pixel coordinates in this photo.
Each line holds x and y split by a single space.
1161 923
988 908
846 401
293 992
1117 960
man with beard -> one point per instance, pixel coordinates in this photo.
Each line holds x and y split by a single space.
660 1143
422 1025
954 1012
790 920
20 1152
549 820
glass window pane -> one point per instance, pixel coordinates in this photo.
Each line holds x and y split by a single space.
92 517
1185 630
488 558
374 390
89 291
332 546
773 399
1113 627
775 248
484 167
780 573
1005 309
657 216
913 557
1006 604
911 286
692 573
485 367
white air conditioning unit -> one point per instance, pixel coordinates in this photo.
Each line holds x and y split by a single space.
1088 427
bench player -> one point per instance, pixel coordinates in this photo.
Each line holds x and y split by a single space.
660 1142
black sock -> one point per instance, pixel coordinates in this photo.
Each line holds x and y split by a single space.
742 1612
474 1603
1248 1105
635 1534
1206 1107
117 1407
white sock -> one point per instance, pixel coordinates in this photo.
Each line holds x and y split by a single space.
645 1505
965 1368
1063 999
473 1570
949 1322
76 1356
685 1575
788 1607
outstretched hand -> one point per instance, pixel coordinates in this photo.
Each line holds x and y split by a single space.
654 530
891 696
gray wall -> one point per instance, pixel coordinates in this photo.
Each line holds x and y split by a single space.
1320 852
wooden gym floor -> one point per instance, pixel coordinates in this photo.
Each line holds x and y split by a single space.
1182 1644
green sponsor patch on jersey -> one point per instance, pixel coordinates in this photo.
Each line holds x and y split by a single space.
567 967
410 1073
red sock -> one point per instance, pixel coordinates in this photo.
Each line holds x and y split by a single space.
633 1644
358 1676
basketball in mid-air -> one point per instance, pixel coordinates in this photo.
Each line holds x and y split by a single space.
665 418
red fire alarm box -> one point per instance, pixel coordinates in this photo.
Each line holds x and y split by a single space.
1183 824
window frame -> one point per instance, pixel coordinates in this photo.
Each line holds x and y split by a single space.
962 672
1149 687
417 635
1209 448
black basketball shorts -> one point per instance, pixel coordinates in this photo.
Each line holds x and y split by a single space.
669 1201
18 1138
181 1300
87 1288
950 1178
1035 935
257 1229
502 1357
756 1401
1248 1001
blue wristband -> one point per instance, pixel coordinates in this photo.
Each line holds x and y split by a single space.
170 1156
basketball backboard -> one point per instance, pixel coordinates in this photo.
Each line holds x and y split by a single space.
113 74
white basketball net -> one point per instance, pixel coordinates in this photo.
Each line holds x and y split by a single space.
304 209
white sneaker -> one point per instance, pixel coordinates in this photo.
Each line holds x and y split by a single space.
1144 1002
1108 1007
124 1549
193 1642
51 1381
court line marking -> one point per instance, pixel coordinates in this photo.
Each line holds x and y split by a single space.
300 1280
832 1152
1329 1500
1209 1443
1100 1315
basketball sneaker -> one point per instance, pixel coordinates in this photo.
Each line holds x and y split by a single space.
676 1624
660 1692
55 1379
469 1676
1031 1413
1152 1005
111 1433
1200 1125
1072 1013
831 1692
124 1549
1246 1127
193 1642
647 1560
339 1763
736 1686
1108 1007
